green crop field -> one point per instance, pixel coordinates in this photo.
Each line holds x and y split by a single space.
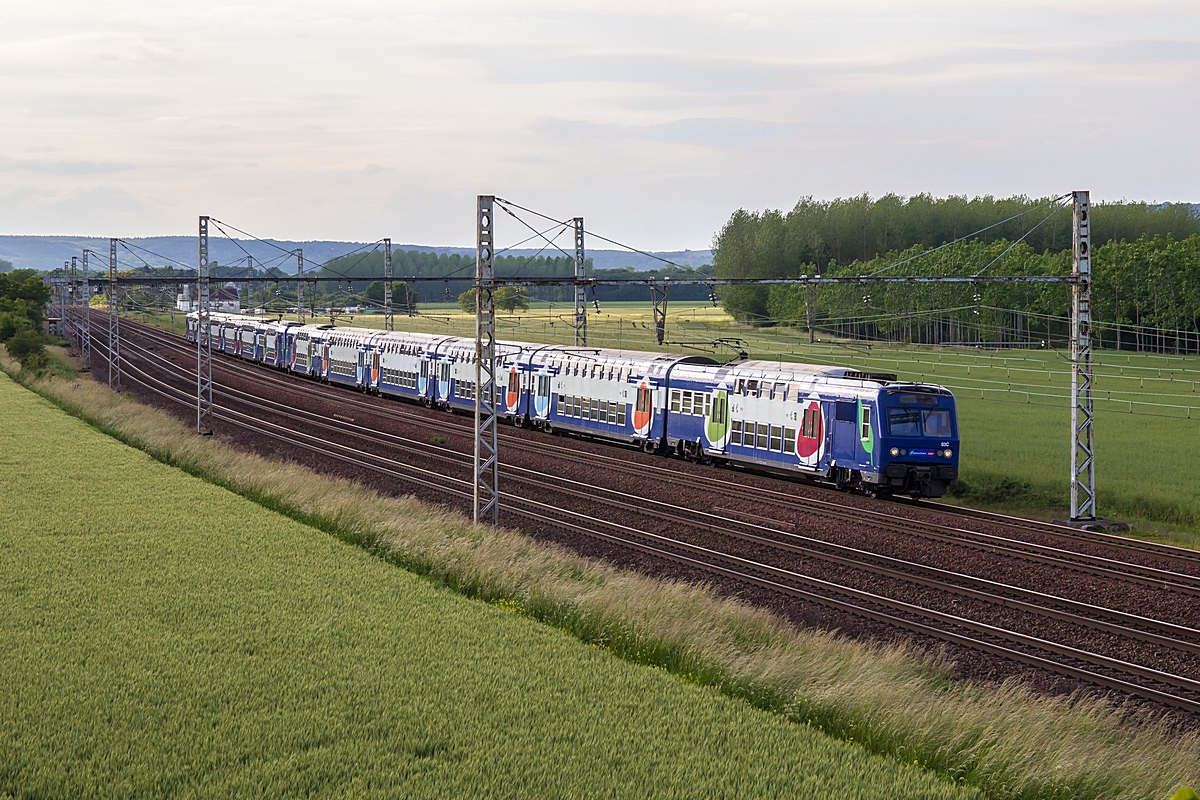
164 637
1013 405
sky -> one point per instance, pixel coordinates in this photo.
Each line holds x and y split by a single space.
354 120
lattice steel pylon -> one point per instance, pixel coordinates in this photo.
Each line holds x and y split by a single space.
486 494
75 299
204 382
580 292
114 320
1083 462
85 318
300 285
389 320
64 329
658 298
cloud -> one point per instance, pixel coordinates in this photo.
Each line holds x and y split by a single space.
53 167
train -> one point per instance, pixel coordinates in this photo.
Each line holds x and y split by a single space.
858 430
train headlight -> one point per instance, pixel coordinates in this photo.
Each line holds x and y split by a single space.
895 451
948 452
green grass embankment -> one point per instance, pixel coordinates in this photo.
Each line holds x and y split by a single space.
165 637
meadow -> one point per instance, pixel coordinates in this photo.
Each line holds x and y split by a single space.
1014 407
165 637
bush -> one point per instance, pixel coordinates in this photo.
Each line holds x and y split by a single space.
11 324
29 348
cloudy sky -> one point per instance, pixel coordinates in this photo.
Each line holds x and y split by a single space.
316 119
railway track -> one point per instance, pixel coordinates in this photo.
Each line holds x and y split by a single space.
591 510
781 499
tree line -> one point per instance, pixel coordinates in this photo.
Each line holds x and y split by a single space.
23 299
1146 269
458 271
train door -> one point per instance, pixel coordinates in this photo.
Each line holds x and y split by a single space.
359 373
375 367
716 427
512 397
845 433
423 380
542 398
643 409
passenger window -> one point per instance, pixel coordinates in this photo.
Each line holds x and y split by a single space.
763 433
866 423
789 440
675 400
776 438
735 432
686 406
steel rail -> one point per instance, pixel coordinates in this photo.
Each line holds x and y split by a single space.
813 547
1149 576
951 619
748 567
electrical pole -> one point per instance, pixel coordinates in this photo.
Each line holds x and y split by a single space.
85 328
658 297
389 321
74 299
64 330
486 499
1083 464
204 382
580 296
114 338
300 285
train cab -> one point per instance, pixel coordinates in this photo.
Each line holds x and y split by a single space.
918 445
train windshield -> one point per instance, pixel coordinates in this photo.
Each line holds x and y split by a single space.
919 415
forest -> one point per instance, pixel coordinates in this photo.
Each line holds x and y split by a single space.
1146 266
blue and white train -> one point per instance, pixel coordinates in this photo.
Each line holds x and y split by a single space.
856 429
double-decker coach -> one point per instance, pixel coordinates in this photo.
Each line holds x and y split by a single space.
858 430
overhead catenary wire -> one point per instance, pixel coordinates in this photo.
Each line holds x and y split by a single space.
960 239
1025 235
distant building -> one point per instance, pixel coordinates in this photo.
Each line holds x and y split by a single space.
225 298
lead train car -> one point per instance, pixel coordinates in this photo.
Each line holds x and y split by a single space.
858 430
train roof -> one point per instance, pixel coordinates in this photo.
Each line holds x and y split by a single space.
788 369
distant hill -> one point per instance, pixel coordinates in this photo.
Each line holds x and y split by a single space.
49 252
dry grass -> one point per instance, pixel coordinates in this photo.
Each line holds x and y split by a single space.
1002 739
